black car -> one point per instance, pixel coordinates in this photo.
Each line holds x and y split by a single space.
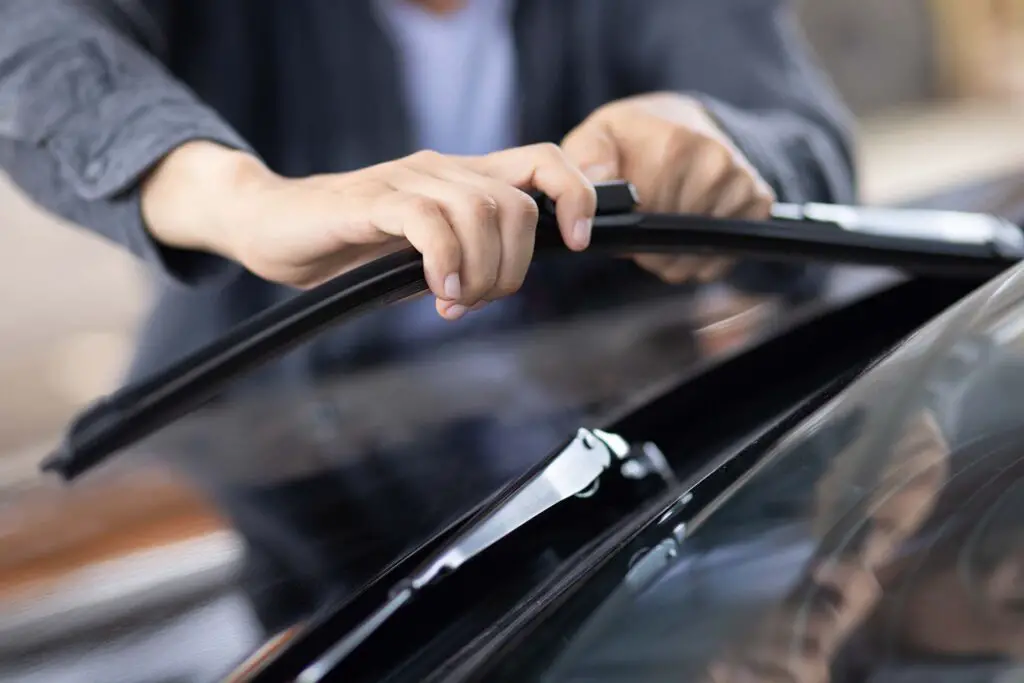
835 500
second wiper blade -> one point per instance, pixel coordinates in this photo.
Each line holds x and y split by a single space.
935 243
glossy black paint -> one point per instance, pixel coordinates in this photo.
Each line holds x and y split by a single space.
765 394
778 400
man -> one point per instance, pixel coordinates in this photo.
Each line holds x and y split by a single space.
243 148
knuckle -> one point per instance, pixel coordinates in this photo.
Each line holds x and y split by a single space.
761 208
420 207
507 286
740 186
521 211
548 150
480 207
427 157
479 287
765 193
680 142
720 160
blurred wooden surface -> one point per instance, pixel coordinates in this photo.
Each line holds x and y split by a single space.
49 531
979 47
914 151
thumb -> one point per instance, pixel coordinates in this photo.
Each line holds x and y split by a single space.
593 149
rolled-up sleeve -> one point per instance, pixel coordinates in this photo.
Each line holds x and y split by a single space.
86 109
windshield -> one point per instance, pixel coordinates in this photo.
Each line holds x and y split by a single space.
245 517
880 541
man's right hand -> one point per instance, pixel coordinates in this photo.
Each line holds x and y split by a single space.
470 217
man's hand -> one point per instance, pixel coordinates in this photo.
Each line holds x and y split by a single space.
670 148
468 216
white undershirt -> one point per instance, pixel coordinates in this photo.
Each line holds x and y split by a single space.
459 74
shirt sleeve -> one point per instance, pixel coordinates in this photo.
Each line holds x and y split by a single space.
749 63
87 108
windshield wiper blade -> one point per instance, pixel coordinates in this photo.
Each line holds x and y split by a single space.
140 409
919 242
976 245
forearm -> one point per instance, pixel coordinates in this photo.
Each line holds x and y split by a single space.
87 113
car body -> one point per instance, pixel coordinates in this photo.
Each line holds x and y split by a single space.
762 516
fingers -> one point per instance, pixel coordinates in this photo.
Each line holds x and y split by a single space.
593 150
472 216
479 232
517 217
704 174
734 198
546 168
421 220
711 178
494 222
715 180
468 216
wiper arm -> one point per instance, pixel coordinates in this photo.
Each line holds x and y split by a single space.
935 242
575 472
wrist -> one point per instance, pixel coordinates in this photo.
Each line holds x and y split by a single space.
194 197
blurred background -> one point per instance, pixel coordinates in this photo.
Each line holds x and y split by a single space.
938 88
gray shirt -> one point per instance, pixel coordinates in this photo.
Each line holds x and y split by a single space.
94 92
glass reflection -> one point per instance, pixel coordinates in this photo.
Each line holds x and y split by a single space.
320 487
881 541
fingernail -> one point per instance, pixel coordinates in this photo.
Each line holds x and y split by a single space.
599 172
452 287
581 232
455 312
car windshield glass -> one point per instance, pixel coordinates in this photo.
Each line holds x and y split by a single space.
880 541
302 480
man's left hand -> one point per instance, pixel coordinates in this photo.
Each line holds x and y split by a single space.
679 160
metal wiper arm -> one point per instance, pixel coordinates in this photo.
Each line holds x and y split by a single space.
576 471
972 245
